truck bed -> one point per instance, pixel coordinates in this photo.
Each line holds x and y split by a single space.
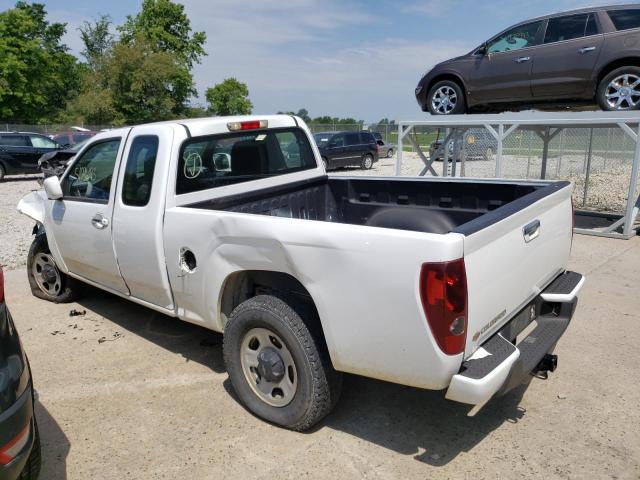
424 205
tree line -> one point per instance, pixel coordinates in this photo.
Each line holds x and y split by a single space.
140 72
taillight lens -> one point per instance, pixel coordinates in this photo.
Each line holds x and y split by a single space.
247 125
443 290
1 285
9 451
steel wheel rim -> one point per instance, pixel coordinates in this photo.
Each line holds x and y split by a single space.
46 274
275 393
368 162
444 100
623 92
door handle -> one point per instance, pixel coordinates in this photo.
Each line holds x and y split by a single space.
522 59
99 221
531 231
587 49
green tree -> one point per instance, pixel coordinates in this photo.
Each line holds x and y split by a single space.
97 39
303 113
37 75
230 97
167 28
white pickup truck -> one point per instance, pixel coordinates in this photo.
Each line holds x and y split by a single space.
233 224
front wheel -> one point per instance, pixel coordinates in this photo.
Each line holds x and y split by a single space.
278 368
620 90
446 98
45 278
367 162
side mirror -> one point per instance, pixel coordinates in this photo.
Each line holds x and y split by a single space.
52 188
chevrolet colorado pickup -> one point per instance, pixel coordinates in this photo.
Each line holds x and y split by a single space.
233 224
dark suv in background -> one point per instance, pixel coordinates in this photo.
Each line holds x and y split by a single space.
347 149
584 56
20 152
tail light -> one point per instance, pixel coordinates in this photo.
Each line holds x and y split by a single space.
443 290
1 285
248 125
9 451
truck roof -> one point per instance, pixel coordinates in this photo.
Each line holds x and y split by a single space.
213 125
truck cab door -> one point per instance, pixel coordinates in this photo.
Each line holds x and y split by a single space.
138 218
79 224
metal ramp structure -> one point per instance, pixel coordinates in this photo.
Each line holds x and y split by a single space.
545 126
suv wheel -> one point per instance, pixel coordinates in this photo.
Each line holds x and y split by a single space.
367 162
390 153
620 90
446 98
2 173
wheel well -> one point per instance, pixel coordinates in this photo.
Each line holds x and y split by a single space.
241 286
622 62
448 76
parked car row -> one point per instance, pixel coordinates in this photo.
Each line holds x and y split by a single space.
586 56
24 152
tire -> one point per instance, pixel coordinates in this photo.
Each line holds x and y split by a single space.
488 155
451 92
629 98
49 283
31 469
2 172
390 153
367 162
312 388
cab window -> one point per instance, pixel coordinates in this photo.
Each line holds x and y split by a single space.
219 160
138 175
90 176
522 36
625 19
566 28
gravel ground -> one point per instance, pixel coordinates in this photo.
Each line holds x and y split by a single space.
15 229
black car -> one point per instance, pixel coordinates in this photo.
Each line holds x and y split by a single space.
347 149
20 152
587 56
19 442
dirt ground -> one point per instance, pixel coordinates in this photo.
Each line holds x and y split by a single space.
153 401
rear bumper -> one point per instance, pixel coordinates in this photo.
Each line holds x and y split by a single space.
13 421
502 363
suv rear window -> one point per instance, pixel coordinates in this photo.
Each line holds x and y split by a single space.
218 160
566 28
367 137
625 19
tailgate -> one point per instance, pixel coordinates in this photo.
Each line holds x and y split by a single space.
511 254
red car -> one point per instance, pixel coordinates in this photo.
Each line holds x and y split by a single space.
71 138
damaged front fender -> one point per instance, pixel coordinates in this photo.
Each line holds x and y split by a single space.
32 205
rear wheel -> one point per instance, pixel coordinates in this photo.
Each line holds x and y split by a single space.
620 90
390 153
279 369
2 173
45 278
446 98
367 162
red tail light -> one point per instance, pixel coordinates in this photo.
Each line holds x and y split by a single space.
15 446
248 125
443 290
1 285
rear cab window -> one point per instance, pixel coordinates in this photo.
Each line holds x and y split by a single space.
226 159
625 19
138 175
